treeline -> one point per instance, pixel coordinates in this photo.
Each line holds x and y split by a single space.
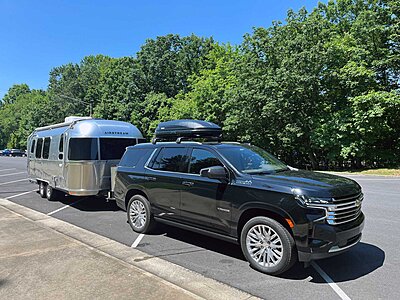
320 89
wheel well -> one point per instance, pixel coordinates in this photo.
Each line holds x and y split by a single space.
132 193
256 212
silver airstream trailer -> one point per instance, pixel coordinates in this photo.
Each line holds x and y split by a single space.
75 157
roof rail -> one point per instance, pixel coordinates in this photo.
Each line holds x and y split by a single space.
178 140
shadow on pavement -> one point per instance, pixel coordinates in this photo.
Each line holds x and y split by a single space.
199 240
88 204
359 261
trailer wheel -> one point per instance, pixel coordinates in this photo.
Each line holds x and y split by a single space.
140 217
42 189
51 194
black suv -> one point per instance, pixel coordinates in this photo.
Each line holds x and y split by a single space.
241 193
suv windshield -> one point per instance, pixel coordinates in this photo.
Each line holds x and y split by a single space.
252 160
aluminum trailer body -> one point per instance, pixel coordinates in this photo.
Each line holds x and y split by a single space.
76 156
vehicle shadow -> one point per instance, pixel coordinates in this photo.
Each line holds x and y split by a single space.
359 261
199 240
88 204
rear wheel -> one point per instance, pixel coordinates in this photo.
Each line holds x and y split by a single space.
51 194
140 217
42 189
267 245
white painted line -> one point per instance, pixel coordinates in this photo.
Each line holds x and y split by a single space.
64 207
137 241
7 169
3 183
329 281
20 194
11 174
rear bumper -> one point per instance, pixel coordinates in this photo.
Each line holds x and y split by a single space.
327 240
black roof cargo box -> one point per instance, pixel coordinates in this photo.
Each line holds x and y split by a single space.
187 129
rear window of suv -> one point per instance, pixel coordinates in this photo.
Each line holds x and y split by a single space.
171 159
133 156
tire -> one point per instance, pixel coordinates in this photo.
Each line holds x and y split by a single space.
42 189
267 246
51 194
140 217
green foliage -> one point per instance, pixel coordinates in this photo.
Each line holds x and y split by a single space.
320 89
13 93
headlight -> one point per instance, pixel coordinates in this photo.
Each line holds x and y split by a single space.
310 201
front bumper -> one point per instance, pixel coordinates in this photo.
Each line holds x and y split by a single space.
328 240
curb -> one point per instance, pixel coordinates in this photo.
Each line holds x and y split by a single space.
181 277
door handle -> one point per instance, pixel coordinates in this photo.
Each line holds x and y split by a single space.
188 183
150 178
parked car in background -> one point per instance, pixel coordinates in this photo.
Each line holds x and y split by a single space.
6 152
17 152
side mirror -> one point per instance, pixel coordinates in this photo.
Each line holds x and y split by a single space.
60 156
216 172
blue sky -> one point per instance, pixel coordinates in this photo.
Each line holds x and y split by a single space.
36 36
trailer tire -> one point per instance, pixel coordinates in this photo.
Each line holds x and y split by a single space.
140 217
51 194
42 189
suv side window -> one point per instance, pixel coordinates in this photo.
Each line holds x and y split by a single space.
171 159
201 159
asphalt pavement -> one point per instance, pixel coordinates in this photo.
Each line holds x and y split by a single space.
367 271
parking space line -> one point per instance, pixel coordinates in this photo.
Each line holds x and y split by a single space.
329 281
3 183
7 169
11 174
64 207
137 241
20 194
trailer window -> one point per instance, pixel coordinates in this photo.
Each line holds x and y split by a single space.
82 149
46 148
33 146
38 153
61 144
113 148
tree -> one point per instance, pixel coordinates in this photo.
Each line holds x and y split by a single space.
168 61
13 93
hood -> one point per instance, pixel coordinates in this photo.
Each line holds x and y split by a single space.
312 183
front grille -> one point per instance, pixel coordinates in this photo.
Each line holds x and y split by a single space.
344 209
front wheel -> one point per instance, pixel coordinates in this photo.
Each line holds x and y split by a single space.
140 217
267 245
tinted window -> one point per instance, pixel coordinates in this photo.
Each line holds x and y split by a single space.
38 153
171 159
61 144
82 149
46 148
252 160
33 146
201 159
132 157
112 148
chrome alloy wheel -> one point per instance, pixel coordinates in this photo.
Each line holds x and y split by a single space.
264 245
137 214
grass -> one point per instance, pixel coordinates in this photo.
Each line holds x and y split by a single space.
380 172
